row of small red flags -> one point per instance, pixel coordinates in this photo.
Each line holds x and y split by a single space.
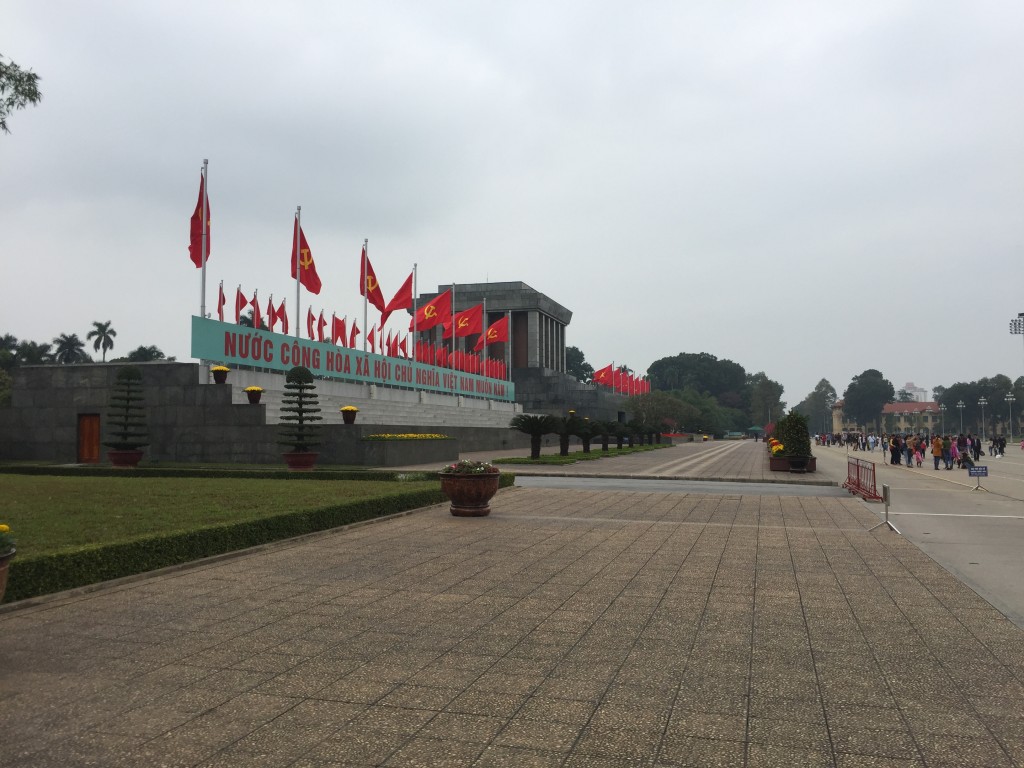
621 381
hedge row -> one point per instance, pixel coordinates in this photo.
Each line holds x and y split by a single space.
260 474
53 573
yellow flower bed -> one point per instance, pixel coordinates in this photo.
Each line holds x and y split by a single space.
411 436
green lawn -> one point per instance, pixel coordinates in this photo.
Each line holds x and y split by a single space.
59 514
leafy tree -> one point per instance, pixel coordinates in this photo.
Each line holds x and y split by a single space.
703 372
765 398
662 410
249 318
817 406
31 353
145 354
904 397
576 366
536 426
866 395
104 336
8 352
69 349
18 89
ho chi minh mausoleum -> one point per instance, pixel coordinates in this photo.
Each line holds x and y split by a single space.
58 412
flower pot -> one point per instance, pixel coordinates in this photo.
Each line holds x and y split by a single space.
349 417
798 463
219 377
4 560
254 397
300 461
125 459
470 494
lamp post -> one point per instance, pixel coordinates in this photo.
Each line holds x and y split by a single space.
929 418
960 407
982 402
942 410
1017 325
1009 401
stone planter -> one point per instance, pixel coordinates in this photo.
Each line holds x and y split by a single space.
349 417
300 461
5 559
254 397
125 459
785 464
470 494
219 377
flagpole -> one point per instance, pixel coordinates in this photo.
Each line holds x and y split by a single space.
295 246
364 291
415 341
483 329
508 344
206 252
451 324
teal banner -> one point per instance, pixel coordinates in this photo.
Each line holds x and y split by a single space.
231 344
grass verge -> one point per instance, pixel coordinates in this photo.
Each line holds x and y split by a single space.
575 456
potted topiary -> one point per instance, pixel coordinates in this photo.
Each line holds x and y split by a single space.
470 485
299 409
793 432
127 419
7 552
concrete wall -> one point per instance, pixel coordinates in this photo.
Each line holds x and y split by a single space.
541 390
190 420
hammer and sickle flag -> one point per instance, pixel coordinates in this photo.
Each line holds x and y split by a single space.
498 331
368 285
467 322
434 312
304 260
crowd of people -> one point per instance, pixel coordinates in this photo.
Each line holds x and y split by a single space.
961 450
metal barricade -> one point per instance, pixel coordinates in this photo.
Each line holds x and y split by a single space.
860 479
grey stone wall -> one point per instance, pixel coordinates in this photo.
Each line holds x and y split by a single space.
541 390
189 420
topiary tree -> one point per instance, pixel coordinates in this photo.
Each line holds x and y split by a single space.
299 410
126 416
793 431
536 426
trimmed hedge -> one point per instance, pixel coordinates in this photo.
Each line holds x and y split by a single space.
54 573
260 474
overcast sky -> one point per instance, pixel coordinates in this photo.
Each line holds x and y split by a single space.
807 189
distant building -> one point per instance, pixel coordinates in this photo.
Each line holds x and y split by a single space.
895 417
920 395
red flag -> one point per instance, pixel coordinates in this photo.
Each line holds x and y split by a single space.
195 246
352 338
371 340
467 322
604 376
435 311
221 300
401 300
338 331
320 325
282 315
308 277
403 348
257 316
368 285
240 303
497 332
310 320
271 314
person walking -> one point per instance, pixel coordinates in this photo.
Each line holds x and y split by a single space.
947 449
936 450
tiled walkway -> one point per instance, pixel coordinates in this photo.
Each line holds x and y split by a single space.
567 629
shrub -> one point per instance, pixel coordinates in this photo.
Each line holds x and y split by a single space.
126 414
299 410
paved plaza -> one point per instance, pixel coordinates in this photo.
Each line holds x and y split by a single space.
583 626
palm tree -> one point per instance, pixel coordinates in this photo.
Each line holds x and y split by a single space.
586 430
536 426
8 352
104 336
31 353
69 349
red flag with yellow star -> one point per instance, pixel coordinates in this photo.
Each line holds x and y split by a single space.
303 261
368 285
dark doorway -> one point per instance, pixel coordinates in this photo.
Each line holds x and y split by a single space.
88 438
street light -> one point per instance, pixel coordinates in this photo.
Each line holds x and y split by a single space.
928 410
1009 401
942 408
1017 325
982 402
960 407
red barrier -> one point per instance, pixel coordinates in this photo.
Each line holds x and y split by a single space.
860 479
